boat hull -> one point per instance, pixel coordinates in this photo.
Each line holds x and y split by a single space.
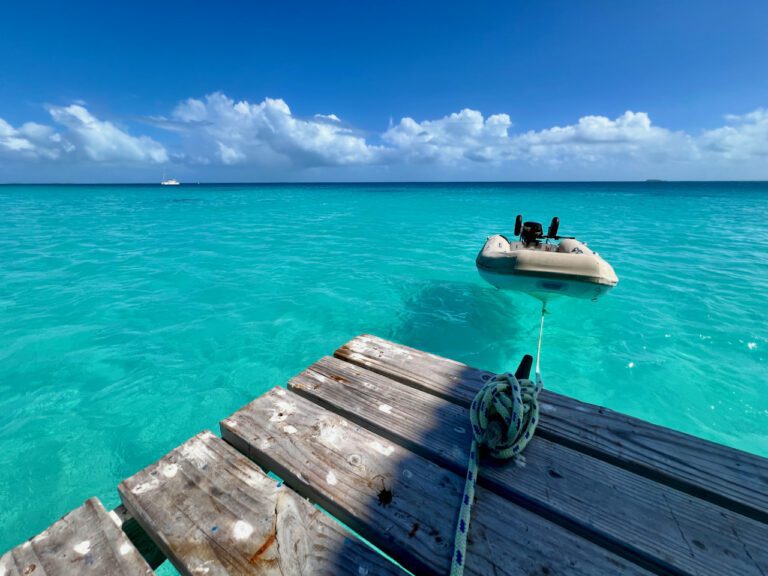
544 288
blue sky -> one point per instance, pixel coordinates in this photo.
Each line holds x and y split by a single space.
249 91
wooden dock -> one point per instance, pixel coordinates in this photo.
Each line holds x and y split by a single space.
377 437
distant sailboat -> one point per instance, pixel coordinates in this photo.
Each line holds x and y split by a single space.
169 181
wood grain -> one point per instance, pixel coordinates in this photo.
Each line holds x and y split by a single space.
730 478
403 503
85 542
648 522
213 512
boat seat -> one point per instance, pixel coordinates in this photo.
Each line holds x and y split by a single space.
568 244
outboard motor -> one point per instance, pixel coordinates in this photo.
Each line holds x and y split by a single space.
531 233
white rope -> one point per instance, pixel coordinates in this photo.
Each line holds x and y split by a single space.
504 415
541 335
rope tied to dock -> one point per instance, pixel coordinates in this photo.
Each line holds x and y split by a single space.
504 414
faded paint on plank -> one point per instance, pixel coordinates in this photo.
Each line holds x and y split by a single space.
85 542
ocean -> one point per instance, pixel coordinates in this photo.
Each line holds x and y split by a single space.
133 317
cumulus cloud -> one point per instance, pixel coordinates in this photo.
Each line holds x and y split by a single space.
462 136
629 127
744 138
102 141
597 138
467 137
223 136
30 140
79 136
267 133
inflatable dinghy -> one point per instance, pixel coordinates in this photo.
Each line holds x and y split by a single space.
543 265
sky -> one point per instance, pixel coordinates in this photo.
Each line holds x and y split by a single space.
376 91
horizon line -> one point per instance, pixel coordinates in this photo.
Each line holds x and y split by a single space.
381 182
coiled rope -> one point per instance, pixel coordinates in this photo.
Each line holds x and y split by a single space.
504 414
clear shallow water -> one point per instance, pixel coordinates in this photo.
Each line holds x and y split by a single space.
133 317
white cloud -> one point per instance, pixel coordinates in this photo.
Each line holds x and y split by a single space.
460 137
629 127
218 136
330 117
102 141
266 134
466 138
745 138
31 141
84 137
594 139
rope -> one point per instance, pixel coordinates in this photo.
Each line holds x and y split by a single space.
541 334
504 414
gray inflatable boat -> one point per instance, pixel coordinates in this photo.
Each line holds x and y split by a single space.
544 265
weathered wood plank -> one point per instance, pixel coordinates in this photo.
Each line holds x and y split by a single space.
212 511
728 477
651 523
85 542
400 501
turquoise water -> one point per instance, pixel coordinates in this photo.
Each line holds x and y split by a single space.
133 317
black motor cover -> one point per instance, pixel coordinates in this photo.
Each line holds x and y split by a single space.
531 233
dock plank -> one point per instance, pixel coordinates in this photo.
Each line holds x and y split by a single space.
402 502
648 522
212 511
730 478
85 542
